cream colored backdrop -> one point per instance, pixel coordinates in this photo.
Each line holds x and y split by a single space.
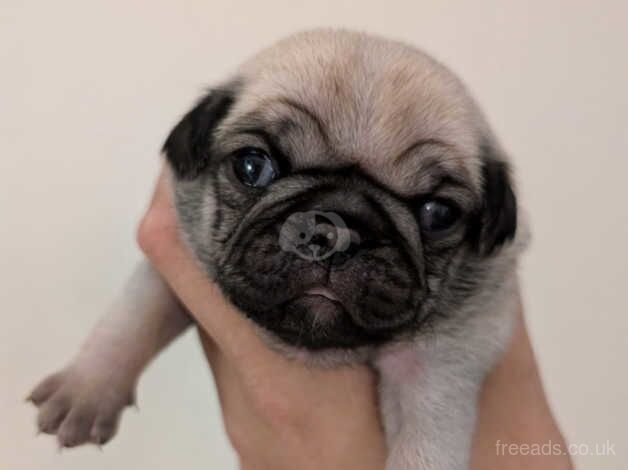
90 88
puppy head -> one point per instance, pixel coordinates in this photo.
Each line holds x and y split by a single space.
344 191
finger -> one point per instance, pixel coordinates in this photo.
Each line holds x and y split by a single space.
159 239
158 228
232 333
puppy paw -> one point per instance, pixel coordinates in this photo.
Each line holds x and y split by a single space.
79 407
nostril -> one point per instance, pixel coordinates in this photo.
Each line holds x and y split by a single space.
320 240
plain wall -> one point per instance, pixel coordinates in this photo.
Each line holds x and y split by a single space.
89 90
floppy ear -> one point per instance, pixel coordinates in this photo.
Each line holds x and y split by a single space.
188 145
497 219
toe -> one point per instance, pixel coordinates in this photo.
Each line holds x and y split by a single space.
75 428
45 389
52 413
104 429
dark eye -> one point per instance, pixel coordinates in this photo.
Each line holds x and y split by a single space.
437 216
254 167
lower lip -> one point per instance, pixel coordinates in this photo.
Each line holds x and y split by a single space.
322 292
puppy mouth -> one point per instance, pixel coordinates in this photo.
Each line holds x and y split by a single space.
317 308
322 303
322 291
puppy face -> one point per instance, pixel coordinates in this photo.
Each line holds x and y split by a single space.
344 191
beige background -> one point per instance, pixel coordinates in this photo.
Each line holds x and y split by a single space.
89 90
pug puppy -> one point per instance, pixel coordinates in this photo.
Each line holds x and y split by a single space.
349 198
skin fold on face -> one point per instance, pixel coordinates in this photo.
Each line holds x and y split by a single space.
344 191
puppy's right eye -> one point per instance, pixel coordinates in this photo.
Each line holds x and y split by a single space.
254 167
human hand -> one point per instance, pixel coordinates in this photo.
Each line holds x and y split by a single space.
278 413
282 414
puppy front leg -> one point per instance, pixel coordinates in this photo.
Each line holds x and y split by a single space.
429 389
82 402
429 412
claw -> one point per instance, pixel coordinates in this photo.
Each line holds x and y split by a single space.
78 411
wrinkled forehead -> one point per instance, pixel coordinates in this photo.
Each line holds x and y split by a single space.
355 100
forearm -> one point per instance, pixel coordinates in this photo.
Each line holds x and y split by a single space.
141 322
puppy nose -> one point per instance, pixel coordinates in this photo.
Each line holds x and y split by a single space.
332 225
321 240
340 242
318 236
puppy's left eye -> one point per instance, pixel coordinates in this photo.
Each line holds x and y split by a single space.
436 216
254 167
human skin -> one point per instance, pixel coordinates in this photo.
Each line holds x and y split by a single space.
282 414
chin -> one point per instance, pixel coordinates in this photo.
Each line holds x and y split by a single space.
314 321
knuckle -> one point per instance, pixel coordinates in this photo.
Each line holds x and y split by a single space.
153 233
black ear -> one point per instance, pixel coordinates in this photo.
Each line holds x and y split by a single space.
188 145
496 221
